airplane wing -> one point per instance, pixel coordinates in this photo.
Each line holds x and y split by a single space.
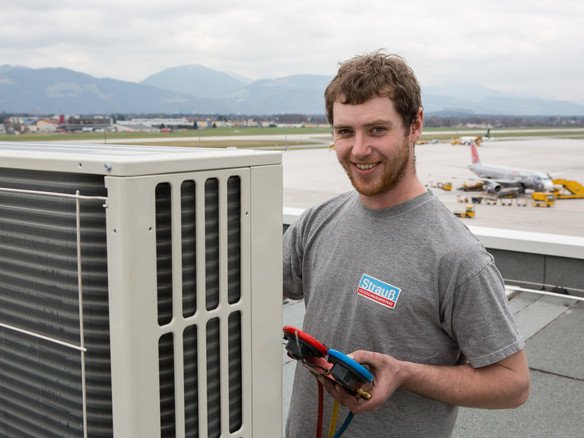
489 185
496 185
503 182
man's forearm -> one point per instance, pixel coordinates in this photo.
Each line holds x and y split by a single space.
498 386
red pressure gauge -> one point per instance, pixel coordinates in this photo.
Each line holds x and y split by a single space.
301 346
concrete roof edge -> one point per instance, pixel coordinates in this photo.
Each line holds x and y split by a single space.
291 214
530 242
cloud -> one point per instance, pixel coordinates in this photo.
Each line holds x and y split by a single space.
525 47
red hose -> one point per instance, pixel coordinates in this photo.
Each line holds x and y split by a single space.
320 410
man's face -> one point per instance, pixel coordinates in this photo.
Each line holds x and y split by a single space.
372 145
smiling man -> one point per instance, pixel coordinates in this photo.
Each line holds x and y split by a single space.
388 273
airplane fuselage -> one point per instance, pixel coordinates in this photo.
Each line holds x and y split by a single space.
514 177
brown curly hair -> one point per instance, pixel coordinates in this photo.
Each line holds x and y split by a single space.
376 74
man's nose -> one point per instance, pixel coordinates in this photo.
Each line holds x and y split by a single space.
361 146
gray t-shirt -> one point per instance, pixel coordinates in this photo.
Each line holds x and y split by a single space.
409 281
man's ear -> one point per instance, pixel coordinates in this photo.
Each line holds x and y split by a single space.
417 126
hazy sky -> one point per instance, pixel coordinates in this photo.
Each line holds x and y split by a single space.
533 47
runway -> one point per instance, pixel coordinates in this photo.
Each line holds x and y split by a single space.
314 175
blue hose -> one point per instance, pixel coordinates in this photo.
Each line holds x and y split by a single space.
344 425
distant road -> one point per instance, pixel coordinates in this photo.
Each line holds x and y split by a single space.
505 131
322 140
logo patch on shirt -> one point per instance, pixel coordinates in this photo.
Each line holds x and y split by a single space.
378 291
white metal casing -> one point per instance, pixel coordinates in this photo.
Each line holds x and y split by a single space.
131 175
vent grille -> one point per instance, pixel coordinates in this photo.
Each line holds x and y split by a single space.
40 381
203 330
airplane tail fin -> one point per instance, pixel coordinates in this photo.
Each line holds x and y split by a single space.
475 154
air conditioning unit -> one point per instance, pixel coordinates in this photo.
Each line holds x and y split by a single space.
140 291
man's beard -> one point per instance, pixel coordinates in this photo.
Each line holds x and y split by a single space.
395 169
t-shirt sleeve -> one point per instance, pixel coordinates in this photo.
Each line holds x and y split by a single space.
292 259
481 319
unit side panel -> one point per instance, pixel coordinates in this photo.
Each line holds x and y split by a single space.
266 247
181 303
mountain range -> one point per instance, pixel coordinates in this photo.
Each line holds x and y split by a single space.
194 89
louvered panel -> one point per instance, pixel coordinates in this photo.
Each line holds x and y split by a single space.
220 393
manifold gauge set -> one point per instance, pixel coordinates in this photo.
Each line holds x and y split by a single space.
331 364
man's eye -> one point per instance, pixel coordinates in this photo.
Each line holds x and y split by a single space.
378 130
344 132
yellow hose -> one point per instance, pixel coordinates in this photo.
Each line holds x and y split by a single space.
334 416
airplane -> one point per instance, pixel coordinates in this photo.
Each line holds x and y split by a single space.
495 178
468 140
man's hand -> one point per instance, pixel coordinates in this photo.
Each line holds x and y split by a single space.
387 378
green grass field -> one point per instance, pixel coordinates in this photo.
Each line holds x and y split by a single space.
204 137
202 133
